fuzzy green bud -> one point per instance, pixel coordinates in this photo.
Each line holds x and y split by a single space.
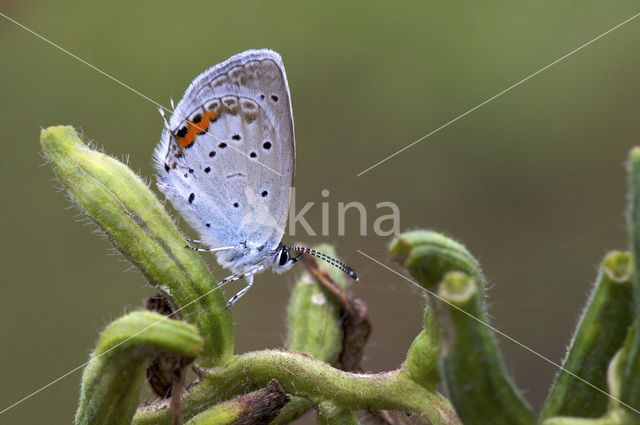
112 380
138 225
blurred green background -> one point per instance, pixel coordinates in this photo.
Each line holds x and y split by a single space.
533 183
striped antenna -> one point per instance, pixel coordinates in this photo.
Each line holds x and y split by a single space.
339 265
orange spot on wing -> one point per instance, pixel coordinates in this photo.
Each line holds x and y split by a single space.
199 128
194 129
187 140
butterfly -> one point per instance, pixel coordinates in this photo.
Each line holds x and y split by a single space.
226 162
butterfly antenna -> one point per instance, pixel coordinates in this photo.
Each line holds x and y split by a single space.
338 264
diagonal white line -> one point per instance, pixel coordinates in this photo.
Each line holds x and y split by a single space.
250 159
83 61
44 388
499 94
498 331
161 107
102 354
95 68
373 259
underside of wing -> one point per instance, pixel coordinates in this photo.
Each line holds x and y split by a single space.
226 161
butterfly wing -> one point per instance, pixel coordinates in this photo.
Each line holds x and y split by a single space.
226 161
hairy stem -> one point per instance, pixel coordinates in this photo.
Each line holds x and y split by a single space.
474 375
256 408
314 327
114 376
473 372
307 377
631 365
138 225
599 335
616 413
422 359
330 414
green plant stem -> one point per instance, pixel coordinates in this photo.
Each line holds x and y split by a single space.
258 407
616 413
330 414
422 359
474 375
314 318
613 418
599 335
623 374
615 380
138 225
631 367
112 380
428 256
226 413
296 407
307 377
314 327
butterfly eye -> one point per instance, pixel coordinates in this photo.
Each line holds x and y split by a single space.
284 257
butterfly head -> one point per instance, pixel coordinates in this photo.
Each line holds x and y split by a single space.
282 261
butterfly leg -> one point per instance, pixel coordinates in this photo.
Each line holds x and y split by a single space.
193 248
243 291
248 276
